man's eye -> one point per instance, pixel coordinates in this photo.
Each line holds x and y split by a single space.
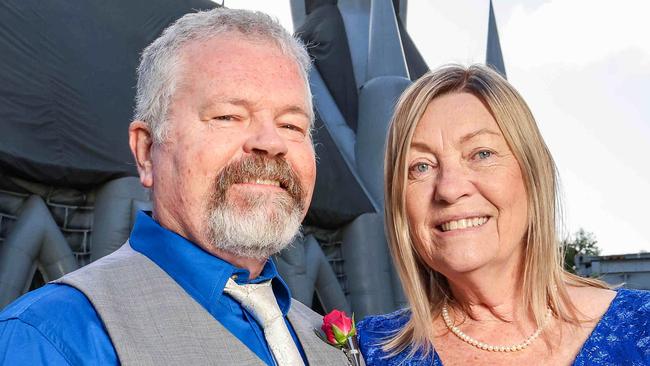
292 127
225 118
292 130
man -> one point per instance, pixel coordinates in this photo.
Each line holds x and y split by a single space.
222 138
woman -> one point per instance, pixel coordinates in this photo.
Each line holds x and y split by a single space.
471 216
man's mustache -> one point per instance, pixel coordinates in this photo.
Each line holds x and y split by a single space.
259 167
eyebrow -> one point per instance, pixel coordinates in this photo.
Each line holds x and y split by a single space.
423 146
482 131
292 109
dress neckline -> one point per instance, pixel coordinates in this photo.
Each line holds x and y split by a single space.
610 308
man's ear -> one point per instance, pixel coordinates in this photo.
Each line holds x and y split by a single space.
141 142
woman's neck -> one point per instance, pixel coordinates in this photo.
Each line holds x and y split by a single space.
491 293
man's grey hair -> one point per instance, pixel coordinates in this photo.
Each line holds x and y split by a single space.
159 66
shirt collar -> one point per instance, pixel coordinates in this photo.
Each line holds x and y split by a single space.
199 273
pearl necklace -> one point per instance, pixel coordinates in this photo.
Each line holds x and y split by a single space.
488 347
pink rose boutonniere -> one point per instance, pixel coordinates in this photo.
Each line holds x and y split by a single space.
339 331
338 328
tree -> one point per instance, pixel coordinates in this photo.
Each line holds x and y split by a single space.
582 243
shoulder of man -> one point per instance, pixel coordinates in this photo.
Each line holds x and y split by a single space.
52 304
304 311
55 318
303 319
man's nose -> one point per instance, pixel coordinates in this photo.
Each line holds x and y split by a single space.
265 140
452 183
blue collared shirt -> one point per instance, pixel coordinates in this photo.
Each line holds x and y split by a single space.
57 325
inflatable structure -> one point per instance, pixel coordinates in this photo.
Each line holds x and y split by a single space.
68 192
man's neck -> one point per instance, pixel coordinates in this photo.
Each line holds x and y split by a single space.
254 266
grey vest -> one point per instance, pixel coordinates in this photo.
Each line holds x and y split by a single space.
151 320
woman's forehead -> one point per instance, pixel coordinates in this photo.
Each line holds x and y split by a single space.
455 118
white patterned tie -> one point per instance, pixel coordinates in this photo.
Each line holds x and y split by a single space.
259 300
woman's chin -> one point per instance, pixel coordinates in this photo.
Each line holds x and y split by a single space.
462 266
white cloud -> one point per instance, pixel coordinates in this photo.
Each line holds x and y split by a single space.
584 67
575 31
446 32
281 9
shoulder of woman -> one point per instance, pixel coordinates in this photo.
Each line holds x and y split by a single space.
591 302
626 325
634 303
622 336
385 322
622 308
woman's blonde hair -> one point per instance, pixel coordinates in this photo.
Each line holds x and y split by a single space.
544 279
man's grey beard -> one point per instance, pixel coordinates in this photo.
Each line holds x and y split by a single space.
256 226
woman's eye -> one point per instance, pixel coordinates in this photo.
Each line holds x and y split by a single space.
422 168
419 169
483 154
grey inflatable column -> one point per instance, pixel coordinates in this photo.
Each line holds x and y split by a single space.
493 55
292 266
305 269
34 240
365 249
356 18
115 207
298 13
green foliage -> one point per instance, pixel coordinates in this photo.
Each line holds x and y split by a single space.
582 242
339 335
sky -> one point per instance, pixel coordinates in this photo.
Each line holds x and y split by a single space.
583 66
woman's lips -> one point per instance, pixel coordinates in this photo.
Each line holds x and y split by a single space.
464 223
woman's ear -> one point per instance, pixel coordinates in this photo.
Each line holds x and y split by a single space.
141 141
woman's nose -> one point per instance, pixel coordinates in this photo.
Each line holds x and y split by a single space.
452 183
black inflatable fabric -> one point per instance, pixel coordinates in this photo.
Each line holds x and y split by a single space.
67 83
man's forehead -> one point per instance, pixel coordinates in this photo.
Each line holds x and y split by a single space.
230 40
235 58
220 69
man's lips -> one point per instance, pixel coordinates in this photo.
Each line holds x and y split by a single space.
266 182
262 184
259 174
270 182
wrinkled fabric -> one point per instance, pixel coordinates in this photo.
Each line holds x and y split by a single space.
372 330
67 85
621 337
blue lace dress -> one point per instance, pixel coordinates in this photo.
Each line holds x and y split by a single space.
621 337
